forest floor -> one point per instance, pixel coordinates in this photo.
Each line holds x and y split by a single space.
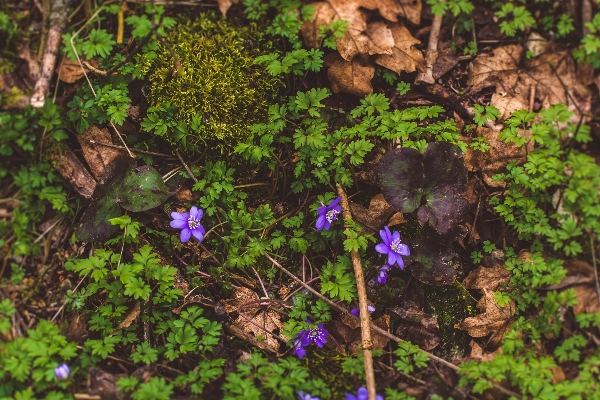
284 199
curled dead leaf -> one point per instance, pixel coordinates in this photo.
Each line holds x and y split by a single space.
359 39
494 161
489 278
71 71
373 218
405 56
254 320
515 83
494 319
352 77
98 156
224 5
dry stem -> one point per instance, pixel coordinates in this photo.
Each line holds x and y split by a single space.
365 317
58 20
431 54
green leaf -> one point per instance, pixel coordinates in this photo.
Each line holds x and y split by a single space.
134 188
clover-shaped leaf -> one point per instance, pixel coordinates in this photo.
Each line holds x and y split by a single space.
126 185
433 184
431 259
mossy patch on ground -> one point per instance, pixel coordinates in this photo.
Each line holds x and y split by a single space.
450 305
219 91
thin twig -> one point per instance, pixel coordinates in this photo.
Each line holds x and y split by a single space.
189 171
431 54
594 264
151 153
375 327
365 316
94 69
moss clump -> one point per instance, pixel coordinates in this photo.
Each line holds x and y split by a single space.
219 92
450 305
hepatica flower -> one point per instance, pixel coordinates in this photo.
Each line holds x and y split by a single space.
328 213
392 247
356 311
189 223
383 274
361 395
306 396
62 371
307 336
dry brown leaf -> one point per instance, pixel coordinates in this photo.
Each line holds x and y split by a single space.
224 5
381 38
358 40
104 384
478 354
578 272
489 278
253 319
373 218
405 57
494 160
71 71
587 299
132 316
69 166
514 82
420 328
97 156
349 76
493 319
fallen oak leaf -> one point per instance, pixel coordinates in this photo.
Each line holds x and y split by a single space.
494 319
489 278
541 75
349 76
357 40
405 56
98 156
373 218
253 320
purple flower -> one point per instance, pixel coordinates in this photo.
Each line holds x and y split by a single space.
328 214
361 395
392 247
383 274
306 396
189 224
356 311
307 336
62 371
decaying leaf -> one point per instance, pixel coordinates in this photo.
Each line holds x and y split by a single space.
349 332
373 218
253 319
123 185
224 5
360 38
69 166
587 299
489 278
349 76
420 328
493 319
578 272
478 354
71 71
131 316
494 161
515 82
98 156
404 57
104 384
